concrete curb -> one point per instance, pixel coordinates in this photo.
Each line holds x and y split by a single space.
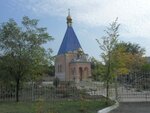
110 108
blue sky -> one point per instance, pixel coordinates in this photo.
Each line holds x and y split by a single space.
90 18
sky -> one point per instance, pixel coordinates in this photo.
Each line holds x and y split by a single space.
90 19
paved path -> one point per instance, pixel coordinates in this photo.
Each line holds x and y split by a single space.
133 107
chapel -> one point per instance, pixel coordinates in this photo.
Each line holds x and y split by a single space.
71 63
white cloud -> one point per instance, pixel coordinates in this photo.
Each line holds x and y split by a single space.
134 15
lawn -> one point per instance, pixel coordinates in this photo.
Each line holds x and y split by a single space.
62 106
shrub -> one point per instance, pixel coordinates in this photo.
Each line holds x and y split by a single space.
56 82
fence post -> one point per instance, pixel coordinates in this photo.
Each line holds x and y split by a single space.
32 90
116 89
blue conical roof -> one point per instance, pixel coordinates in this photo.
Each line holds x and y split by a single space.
70 42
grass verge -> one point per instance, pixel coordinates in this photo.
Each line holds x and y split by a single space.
61 106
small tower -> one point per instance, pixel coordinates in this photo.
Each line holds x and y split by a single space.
71 62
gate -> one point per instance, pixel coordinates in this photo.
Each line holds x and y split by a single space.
134 87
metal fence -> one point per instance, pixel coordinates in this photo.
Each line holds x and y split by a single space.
132 87
34 92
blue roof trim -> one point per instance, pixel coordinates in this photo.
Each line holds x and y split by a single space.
70 42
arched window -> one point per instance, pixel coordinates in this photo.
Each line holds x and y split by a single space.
81 73
59 68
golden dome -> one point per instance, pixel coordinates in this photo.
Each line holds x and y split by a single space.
69 19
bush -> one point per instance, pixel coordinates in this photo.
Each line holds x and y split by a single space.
56 82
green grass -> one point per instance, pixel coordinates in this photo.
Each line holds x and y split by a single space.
63 106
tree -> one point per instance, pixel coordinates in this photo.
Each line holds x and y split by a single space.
132 48
23 57
133 55
97 69
146 66
107 46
